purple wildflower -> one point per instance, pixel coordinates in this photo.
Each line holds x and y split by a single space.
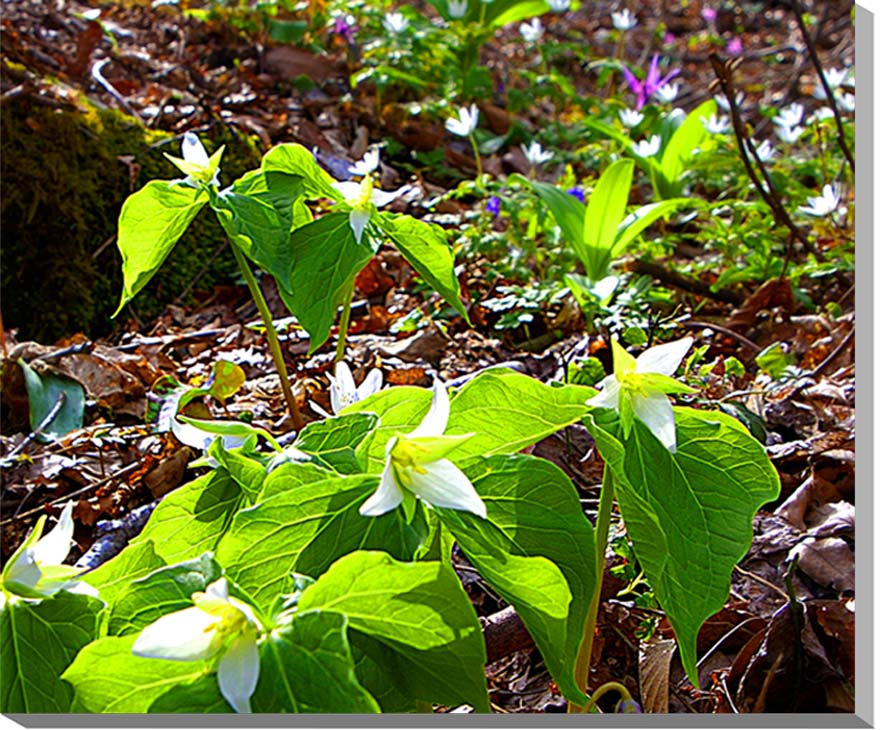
494 205
628 706
709 14
669 38
577 193
644 90
734 46
343 27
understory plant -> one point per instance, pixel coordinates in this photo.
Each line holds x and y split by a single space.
267 216
319 577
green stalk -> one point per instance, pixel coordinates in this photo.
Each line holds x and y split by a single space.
272 337
344 323
477 160
601 537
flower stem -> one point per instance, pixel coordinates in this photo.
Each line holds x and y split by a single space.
272 337
603 689
601 537
477 159
344 323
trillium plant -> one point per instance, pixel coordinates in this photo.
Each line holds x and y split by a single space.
318 578
267 216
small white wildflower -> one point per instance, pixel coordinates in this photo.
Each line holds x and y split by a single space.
844 100
835 77
196 164
457 8
395 23
825 203
559 6
667 93
531 32
623 20
630 117
723 102
465 123
535 154
765 151
789 134
789 116
647 147
716 125
367 164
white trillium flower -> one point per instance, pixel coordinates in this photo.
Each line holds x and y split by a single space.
822 113
36 569
835 78
217 625
825 203
559 6
667 93
789 134
415 466
535 154
457 8
638 388
765 151
531 32
789 116
395 23
716 125
343 390
367 164
630 117
363 200
647 147
197 165
465 123
623 20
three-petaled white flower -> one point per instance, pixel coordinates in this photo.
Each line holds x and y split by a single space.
638 388
35 570
532 31
362 198
647 147
217 625
465 123
535 154
197 165
630 117
395 23
343 390
825 203
367 164
457 8
623 20
415 466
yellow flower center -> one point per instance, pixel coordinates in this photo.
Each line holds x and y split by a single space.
407 457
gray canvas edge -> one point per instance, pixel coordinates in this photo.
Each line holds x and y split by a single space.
865 321
864 469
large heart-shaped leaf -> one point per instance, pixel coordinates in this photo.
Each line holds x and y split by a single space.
689 514
150 224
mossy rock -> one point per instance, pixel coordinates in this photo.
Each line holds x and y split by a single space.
64 183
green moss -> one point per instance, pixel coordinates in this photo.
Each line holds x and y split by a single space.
63 187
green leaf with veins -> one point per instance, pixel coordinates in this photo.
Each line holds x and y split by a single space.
689 514
421 616
38 640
